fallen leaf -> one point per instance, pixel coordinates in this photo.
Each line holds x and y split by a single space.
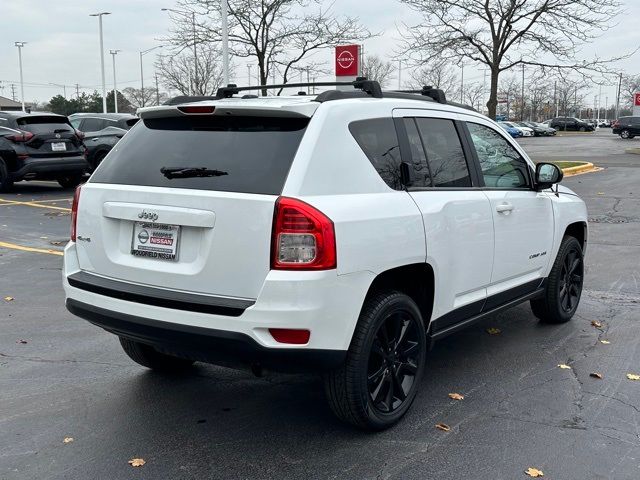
563 366
605 342
68 439
44 238
443 426
136 462
456 396
493 331
600 193
534 472
8 299
596 324
21 341
633 376
596 375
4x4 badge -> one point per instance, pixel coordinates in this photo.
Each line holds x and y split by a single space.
148 215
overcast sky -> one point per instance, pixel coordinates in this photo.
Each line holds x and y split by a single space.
63 42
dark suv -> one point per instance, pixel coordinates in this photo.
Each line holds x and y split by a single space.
40 146
571 123
102 131
627 127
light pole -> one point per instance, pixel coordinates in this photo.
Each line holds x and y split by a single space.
144 52
64 88
195 39
115 88
225 42
104 86
20 45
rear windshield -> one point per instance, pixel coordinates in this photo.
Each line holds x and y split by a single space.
43 124
243 154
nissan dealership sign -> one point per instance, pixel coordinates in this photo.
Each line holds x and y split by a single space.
347 61
636 104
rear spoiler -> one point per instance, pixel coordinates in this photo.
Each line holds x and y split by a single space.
300 110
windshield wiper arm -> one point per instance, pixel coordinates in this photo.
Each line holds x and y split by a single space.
188 172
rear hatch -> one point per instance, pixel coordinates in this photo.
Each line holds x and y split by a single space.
53 136
186 202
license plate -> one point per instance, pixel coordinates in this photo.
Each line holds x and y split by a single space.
154 240
58 147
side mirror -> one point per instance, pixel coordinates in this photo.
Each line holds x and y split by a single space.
547 174
407 174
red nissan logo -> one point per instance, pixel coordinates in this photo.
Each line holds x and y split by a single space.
345 59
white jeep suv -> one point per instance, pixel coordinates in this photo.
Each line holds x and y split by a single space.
339 233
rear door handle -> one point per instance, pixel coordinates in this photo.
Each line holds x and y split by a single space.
505 208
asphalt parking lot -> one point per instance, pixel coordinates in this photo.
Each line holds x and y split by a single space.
62 377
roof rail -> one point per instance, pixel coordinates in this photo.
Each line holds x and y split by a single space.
371 87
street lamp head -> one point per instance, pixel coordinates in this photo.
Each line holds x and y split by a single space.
99 14
114 52
20 44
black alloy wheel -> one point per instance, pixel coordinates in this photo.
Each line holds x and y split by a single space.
393 361
563 288
571 277
378 381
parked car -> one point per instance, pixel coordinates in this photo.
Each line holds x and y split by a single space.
514 132
338 233
604 124
40 146
539 130
526 131
626 127
102 131
571 124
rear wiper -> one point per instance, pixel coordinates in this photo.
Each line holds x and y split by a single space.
188 172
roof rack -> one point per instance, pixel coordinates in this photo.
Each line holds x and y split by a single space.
371 87
428 91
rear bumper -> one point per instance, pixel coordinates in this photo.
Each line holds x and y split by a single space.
48 168
323 302
205 344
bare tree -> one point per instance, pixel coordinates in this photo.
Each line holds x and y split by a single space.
177 71
630 85
375 68
438 75
137 98
503 34
278 34
473 94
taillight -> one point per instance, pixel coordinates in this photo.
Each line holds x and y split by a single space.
290 335
80 135
303 237
74 213
21 136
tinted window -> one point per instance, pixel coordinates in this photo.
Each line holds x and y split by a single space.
255 152
420 165
501 165
76 122
444 153
378 140
43 124
92 124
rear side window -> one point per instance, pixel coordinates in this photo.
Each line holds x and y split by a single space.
250 154
378 139
93 124
43 124
444 153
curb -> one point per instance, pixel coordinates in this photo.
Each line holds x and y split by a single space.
587 167
635 151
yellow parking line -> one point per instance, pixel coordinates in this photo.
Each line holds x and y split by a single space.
13 246
31 204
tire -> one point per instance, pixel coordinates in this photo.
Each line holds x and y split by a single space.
5 182
582 129
567 275
149 357
379 379
97 160
626 134
70 181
